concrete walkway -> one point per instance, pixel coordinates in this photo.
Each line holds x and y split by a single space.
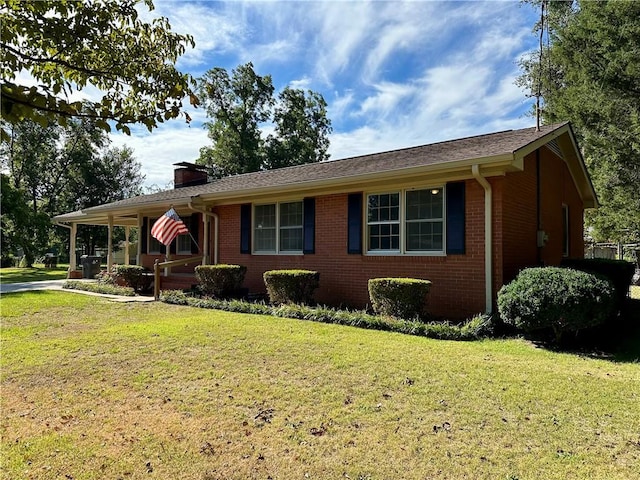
57 285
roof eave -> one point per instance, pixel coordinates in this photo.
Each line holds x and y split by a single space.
447 171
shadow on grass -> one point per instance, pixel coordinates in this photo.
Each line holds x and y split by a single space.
32 274
617 340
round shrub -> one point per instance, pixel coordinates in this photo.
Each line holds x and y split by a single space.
220 281
561 299
399 297
132 276
618 272
291 286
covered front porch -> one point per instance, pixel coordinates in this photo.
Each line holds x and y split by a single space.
173 265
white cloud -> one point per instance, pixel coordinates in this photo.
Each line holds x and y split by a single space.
394 74
159 150
387 100
303 83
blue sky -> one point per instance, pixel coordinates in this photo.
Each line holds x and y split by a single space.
394 74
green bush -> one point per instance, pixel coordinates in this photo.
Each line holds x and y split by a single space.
220 281
133 276
473 329
291 286
399 297
561 299
618 272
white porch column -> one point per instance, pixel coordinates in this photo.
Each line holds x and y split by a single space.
139 252
110 244
127 231
72 247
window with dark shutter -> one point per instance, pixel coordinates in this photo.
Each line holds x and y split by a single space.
354 224
309 226
455 218
245 228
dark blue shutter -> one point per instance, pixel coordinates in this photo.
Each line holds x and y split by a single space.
173 246
143 234
455 218
354 224
309 226
194 230
245 228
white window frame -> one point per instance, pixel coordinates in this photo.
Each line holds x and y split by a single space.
403 224
383 222
278 227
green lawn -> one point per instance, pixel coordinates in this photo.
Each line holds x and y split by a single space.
38 272
93 389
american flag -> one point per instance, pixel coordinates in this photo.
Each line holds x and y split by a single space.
168 227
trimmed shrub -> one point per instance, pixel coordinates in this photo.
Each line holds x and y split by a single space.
618 272
561 299
133 276
220 281
399 297
291 286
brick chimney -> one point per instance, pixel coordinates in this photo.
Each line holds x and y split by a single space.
189 174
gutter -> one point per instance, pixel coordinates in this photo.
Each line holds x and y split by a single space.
488 237
216 223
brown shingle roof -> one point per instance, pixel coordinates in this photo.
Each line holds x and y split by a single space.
480 146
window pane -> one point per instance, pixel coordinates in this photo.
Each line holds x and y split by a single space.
265 216
265 240
291 214
384 237
424 204
265 228
184 244
291 239
424 236
384 207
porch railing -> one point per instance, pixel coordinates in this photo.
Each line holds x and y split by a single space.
171 263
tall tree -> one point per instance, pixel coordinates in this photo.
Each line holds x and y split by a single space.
69 45
237 104
302 129
242 103
589 73
21 227
54 170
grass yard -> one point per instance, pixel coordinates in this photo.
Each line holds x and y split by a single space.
17 275
93 389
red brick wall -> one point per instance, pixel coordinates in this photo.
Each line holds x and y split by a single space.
518 243
458 280
458 285
519 215
557 189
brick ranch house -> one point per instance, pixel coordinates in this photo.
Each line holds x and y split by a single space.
467 214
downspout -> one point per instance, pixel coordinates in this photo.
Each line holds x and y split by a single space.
216 223
488 237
